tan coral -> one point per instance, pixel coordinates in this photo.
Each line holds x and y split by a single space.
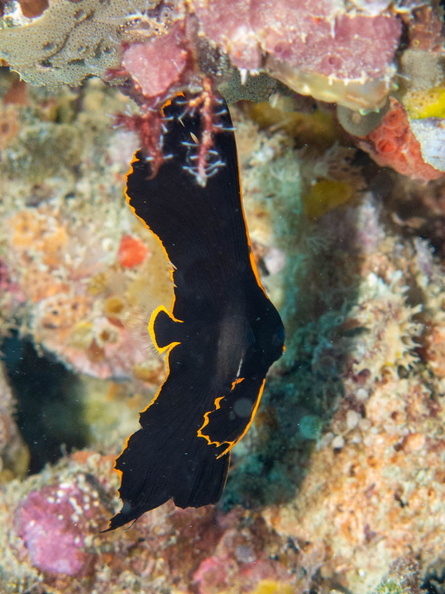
26 228
62 311
39 284
366 501
40 230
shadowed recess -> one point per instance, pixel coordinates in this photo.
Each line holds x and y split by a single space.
49 407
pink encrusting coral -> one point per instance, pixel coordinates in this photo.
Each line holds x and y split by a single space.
311 38
311 48
231 30
156 65
54 522
324 42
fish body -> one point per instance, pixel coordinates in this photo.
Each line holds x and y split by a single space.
221 333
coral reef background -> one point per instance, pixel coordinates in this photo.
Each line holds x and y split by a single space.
339 485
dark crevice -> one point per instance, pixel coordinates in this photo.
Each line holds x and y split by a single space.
49 409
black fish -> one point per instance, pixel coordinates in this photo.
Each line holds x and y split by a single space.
221 334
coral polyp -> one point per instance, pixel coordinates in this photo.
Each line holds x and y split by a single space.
384 307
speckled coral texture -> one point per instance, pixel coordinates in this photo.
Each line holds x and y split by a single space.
382 495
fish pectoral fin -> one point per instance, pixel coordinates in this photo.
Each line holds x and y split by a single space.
164 329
